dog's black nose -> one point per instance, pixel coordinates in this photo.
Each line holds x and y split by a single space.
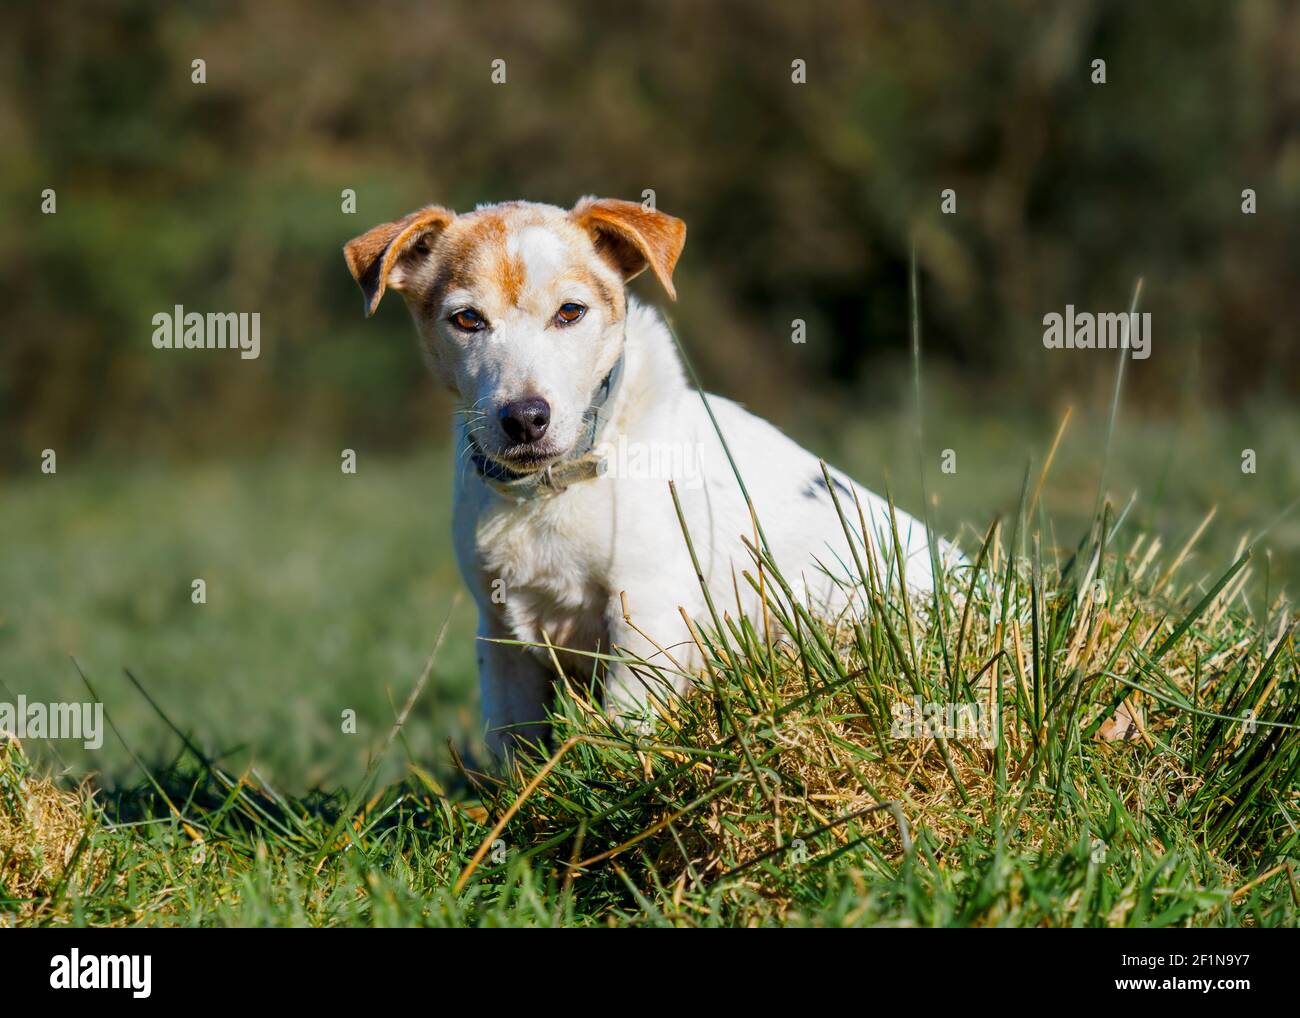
525 420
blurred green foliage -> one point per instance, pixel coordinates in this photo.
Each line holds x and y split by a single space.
802 200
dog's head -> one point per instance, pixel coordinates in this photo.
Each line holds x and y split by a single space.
521 308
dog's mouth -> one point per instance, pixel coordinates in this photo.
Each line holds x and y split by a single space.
521 459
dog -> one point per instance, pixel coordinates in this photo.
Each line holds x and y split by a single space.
572 413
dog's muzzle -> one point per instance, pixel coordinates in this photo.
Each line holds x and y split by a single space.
581 463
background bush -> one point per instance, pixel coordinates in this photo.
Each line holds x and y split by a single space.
802 201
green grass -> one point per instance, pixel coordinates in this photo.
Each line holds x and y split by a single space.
324 593
759 801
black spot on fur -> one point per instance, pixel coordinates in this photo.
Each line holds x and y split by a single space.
817 486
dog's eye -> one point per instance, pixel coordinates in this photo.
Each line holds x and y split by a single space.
569 313
468 320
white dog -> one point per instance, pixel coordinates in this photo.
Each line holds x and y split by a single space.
573 414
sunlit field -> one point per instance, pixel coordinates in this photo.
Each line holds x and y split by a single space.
230 755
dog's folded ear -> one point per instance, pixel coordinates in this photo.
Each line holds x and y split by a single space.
631 237
379 256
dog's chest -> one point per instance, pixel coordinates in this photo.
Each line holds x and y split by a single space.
542 570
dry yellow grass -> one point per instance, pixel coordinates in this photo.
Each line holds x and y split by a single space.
46 848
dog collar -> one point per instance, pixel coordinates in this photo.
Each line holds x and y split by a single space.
581 464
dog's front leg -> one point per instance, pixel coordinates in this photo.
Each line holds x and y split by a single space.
658 658
516 689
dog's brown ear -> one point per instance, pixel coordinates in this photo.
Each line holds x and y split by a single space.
632 237
376 257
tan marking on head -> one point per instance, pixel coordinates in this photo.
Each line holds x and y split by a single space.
614 300
509 276
478 251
